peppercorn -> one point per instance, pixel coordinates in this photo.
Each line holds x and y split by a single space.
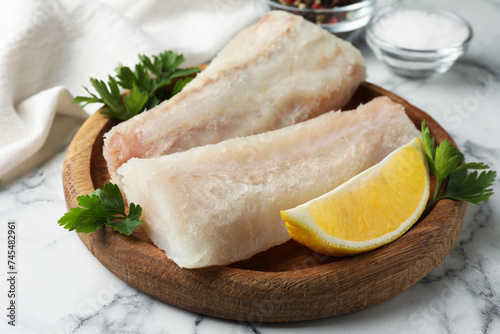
320 18
333 20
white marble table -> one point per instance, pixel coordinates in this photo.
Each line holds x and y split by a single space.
62 288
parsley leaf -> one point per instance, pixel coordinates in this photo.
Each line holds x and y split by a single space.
430 151
147 83
447 158
445 163
472 188
473 165
179 85
104 207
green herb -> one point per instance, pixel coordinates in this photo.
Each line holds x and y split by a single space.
102 208
445 162
147 85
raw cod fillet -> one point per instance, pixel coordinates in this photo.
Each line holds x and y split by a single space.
220 203
278 72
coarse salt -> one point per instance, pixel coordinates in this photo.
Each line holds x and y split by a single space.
420 30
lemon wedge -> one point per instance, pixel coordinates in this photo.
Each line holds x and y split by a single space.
371 209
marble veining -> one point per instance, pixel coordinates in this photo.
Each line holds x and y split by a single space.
63 289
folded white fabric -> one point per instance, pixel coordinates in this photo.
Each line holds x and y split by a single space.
50 48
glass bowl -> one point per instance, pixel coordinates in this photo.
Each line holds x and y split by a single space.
345 21
417 62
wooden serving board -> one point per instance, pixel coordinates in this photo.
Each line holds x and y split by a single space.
286 283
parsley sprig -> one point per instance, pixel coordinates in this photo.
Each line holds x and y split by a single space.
146 83
104 207
445 162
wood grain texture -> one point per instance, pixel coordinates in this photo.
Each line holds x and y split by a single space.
286 283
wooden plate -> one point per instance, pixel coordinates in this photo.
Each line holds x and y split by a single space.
286 283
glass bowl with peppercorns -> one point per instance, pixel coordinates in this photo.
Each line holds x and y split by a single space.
344 18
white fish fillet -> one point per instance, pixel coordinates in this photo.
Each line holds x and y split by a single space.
278 72
220 203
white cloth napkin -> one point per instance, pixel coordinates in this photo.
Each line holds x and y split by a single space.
50 48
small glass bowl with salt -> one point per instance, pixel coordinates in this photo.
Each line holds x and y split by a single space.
418 41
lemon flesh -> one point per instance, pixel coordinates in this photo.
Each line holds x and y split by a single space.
370 210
